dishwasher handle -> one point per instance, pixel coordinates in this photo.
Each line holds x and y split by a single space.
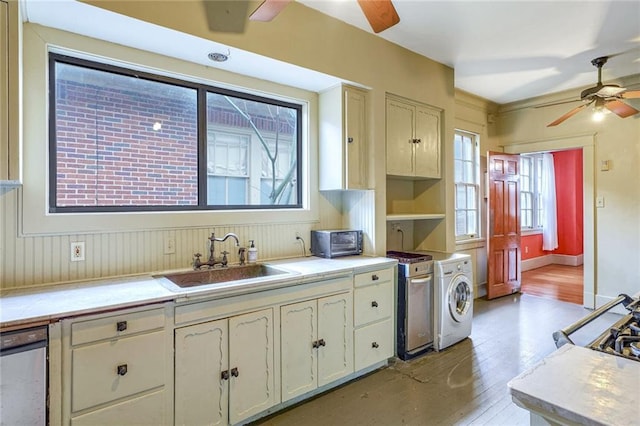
426 280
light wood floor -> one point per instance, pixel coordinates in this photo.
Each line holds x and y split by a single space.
560 282
466 384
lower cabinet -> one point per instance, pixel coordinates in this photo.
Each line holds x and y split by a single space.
224 369
373 314
316 343
116 369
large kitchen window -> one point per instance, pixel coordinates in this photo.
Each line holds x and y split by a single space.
126 140
467 184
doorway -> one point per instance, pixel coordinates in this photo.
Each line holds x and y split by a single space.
587 144
556 273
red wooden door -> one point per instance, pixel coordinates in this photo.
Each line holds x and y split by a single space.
503 242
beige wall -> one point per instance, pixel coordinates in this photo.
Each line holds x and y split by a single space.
616 227
302 37
479 116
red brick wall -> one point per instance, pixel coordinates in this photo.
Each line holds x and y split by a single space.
109 154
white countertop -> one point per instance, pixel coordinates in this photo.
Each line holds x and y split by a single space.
51 303
580 385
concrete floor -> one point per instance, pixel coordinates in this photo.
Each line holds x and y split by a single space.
466 384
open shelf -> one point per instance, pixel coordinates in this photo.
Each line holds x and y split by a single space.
414 216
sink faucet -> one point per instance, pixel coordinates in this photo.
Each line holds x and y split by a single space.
211 261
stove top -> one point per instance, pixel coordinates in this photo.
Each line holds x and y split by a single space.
407 257
623 337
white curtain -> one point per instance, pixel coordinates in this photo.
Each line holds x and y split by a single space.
548 194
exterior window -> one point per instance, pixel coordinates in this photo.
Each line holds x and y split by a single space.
531 210
125 140
467 184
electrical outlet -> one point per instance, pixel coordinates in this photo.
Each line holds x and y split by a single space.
395 226
77 251
169 245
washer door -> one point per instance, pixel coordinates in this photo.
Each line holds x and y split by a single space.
460 297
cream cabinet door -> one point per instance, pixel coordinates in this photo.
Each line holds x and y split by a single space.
355 134
335 341
427 150
299 360
251 352
400 121
201 391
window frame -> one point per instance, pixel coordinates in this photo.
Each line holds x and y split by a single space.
202 88
536 197
476 184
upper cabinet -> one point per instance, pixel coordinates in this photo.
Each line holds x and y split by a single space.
413 139
343 138
9 148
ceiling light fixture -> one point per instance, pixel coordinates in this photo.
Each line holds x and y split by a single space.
599 110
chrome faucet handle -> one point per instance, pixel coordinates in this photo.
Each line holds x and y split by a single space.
225 261
241 252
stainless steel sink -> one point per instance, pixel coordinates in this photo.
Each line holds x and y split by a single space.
223 275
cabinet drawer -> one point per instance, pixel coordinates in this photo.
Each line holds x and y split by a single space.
373 303
116 326
144 410
373 343
373 277
95 375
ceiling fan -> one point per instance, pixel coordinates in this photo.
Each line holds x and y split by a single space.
603 96
380 13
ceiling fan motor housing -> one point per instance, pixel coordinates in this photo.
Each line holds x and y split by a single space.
602 91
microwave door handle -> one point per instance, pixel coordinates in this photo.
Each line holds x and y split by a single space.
421 280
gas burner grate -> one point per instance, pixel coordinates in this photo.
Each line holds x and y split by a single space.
409 257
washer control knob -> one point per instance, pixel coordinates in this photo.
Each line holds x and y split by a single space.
459 266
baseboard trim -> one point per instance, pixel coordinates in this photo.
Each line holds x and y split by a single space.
552 259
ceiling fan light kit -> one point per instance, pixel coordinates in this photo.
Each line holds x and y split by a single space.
605 97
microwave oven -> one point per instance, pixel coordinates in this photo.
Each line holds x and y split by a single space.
335 243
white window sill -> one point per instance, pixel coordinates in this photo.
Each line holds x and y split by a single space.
470 243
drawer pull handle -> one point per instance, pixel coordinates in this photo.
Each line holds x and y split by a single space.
234 372
122 369
375 345
374 304
121 326
321 342
224 375
374 277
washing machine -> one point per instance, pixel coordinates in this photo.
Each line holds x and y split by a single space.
453 296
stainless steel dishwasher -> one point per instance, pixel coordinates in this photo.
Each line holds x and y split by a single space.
23 377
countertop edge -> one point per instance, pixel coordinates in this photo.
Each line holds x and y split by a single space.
50 304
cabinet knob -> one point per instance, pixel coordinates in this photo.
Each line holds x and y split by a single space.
321 342
374 304
234 372
122 369
374 277
121 326
314 344
224 375
418 140
375 345
349 140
